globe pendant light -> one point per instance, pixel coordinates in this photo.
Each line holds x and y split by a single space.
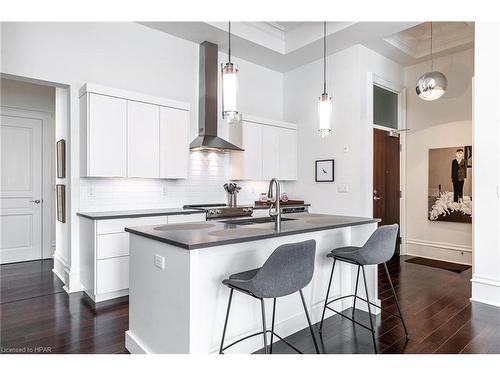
431 85
229 86
325 104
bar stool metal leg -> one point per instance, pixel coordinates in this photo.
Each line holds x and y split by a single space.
225 322
355 293
272 326
397 302
369 311
326 299
264 330
309 321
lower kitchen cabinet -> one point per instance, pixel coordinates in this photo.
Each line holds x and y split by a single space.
104 252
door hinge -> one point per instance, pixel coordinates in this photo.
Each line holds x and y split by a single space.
400 147
400 194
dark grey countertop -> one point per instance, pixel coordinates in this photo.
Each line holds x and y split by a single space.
137 213
216 233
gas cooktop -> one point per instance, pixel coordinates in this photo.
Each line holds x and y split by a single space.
221 210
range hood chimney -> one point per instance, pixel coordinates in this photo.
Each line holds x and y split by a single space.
207 139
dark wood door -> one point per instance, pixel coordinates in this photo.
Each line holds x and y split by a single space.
386 185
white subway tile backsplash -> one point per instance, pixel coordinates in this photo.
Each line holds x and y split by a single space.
207 174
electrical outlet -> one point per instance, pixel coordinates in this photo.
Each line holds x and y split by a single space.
91 191
164 190
498 191
160 261
343 188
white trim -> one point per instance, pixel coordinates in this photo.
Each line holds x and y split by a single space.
485 290
485 280
264 121
131 95
134 345
441 245
47 183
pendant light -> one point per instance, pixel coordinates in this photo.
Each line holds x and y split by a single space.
431 85
229 86
325 104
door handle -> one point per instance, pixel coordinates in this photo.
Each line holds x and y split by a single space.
37 201
376 198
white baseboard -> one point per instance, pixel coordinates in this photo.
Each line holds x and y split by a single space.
134 345
70 279
485 290
439 251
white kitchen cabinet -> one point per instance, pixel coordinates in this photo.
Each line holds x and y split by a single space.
104 252
247 165
143 146
174 143
104 136
288 154
270 151
127 134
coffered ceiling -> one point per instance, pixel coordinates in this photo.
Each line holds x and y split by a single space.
284 46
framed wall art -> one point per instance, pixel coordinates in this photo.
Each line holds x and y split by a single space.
325 170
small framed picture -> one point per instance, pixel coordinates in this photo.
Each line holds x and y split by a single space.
61 203
325 170
61 158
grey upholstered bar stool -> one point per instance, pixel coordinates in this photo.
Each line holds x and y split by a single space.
377 250
287 270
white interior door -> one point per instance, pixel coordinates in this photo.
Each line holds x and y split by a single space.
20 189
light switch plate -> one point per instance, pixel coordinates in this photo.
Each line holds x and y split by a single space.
160 261
343 188
346 148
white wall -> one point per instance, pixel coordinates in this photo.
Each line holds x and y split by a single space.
347 83
446 122
32 97
486 146
136 58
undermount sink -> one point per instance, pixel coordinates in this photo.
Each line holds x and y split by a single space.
254 220
185 226
239 232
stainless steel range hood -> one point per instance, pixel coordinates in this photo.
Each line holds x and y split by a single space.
207 139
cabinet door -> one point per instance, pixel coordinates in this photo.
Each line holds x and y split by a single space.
250 161
107 137
142 140
270 152
174 143
288 154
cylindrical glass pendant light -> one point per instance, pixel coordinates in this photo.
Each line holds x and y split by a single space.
431 85
325 104
229 86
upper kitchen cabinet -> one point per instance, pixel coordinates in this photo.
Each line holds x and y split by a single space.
143 146
270 151
127 134
104 138
247 165
174 143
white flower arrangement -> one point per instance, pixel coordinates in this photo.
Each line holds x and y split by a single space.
444 205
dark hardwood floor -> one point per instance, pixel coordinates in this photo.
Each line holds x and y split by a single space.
35 312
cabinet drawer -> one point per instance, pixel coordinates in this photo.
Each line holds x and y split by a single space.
174 219
112 274
112 245
118 225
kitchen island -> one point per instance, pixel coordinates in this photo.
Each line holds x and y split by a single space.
177 303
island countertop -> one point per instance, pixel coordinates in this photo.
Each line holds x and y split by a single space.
216 233
104 215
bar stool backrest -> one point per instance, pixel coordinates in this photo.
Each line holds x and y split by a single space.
287 270
380 246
